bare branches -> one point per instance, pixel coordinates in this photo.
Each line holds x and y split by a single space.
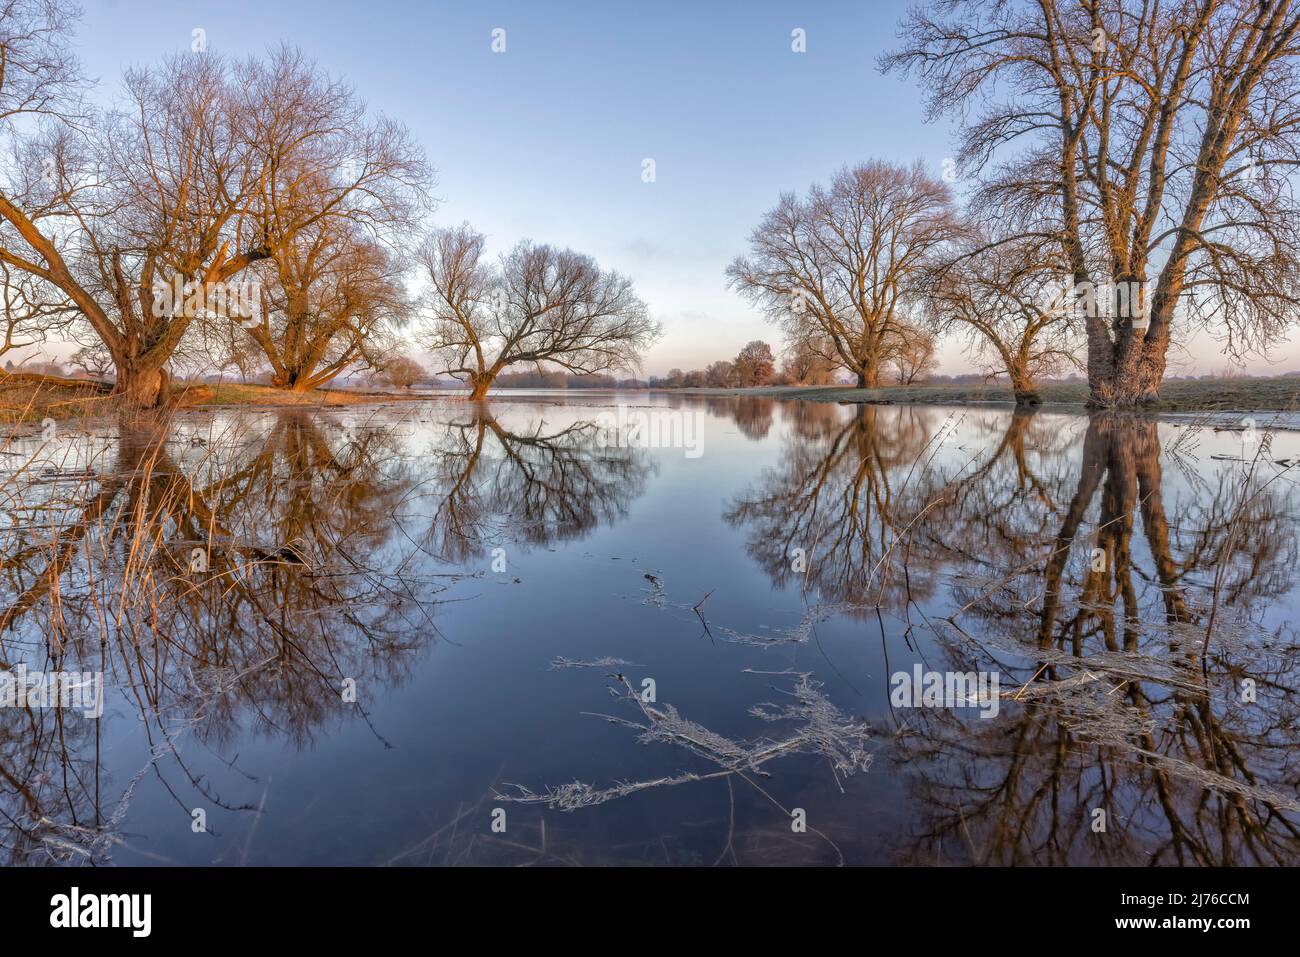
538 304
840 266
820 728
1155 143
1014 298
204 169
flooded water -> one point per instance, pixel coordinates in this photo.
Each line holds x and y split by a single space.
651 630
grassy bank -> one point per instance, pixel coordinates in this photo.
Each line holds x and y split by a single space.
33 398
26 397
234 393
1205 395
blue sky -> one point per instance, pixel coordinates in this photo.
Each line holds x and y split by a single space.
547 139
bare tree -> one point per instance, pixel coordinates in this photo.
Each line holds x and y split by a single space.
403 372
150 200
754 364
720 375
341 195
145 218
914 358
41 78
538 304
842 263
810 360
94 360
332 302
40 82
33 310
1153 142
1010 297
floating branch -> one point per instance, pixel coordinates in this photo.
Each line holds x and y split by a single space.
822 729
559 661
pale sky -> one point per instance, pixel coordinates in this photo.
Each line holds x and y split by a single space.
547 140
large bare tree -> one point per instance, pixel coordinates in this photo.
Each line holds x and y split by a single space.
340 198
1011 299
841 264
536 305
1151 140
151 196
332 304
144 215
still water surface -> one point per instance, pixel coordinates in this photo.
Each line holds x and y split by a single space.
660 634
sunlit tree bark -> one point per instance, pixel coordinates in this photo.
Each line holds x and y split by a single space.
1153 142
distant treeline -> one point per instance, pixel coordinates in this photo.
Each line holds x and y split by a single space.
542 379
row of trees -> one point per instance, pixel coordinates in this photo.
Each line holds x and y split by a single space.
864 276
809 360
1129 172
754 365
223 211
253 214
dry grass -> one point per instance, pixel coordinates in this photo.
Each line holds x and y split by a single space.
1206 395
27 397
235 393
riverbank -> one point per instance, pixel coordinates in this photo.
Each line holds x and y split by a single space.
1281 393
27 397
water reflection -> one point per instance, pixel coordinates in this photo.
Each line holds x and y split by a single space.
228 583
233 577
1136 640
1129 641
536 485
837 496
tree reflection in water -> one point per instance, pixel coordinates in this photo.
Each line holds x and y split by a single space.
1055 563
1126 709
534 486
224 583
1077 558
842 483
237 581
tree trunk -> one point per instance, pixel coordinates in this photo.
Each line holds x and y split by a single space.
1126 361
869 377
1131 375
302 380
142 387
479 386
1022 386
